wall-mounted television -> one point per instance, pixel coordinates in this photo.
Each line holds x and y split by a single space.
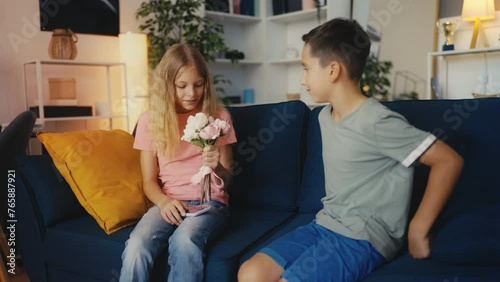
100 17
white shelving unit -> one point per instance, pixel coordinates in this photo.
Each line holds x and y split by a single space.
265 39
242 33
444 55
297 16
69 66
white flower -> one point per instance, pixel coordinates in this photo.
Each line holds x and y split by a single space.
197 122
194 125
189 134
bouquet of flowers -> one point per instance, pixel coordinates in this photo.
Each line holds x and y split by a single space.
203 131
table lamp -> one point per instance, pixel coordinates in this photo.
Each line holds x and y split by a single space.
134 53
476 11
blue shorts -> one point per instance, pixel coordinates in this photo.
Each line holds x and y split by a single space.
315 253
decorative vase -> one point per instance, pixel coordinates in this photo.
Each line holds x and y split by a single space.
62 44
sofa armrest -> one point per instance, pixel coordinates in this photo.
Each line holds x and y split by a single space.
43 199
29 240
51 197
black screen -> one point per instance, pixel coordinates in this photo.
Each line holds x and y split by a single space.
81 16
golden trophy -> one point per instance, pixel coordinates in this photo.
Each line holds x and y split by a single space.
448 29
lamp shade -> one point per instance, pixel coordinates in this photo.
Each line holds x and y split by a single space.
478 10
134 53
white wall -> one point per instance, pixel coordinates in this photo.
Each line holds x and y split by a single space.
21 41
407 29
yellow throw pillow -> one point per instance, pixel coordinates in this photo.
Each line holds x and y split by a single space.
104 172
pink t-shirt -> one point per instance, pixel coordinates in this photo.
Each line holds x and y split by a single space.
175 173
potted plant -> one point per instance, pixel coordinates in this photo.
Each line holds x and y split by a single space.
374 81
169 22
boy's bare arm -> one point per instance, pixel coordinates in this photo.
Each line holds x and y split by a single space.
446 166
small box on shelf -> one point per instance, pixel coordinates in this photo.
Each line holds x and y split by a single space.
62 88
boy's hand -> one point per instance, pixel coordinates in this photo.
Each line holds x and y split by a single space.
419 244
211 156
172 210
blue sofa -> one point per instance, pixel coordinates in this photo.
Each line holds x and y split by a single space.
278 184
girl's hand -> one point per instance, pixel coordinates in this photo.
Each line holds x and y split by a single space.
172 210
211 156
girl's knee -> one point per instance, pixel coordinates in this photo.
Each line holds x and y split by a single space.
138 246
183 242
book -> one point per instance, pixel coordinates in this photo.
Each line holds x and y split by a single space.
218 5
294 5
236 7
279 7
247 7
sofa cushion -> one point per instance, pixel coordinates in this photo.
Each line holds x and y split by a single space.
269 155
71 245
104 172
296 221
245 228
405 268
312 189
471 238
52 194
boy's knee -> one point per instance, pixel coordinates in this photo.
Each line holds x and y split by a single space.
245 272
250 270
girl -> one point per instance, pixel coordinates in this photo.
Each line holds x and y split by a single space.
182 86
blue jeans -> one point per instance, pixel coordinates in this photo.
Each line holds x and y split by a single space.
186 244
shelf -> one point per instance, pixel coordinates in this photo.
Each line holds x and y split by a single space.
240 62
38 89
236 105
286 61
298 16
75 63
464 52
80 118
431 55
220 17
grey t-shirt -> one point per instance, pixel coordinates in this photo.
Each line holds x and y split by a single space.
368 174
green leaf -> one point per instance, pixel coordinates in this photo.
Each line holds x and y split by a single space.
198 142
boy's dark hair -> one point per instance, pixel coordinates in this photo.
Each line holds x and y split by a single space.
340 40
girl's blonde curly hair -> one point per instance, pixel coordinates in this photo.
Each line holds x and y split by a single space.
163 124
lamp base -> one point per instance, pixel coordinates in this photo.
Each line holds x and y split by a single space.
449 47
478 36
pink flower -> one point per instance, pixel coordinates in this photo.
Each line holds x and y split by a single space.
223 125
210 132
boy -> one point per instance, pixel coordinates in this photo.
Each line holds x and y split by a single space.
368 151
